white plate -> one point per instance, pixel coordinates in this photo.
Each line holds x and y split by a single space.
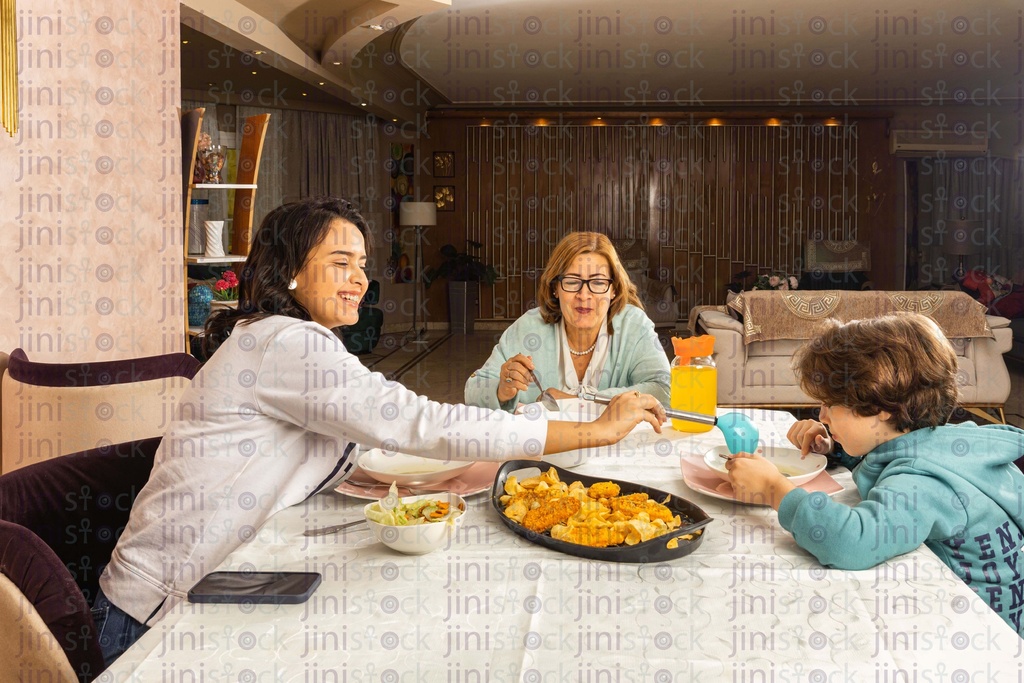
409 470
477 479
798 470
702 480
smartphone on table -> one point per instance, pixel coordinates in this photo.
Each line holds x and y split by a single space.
252 588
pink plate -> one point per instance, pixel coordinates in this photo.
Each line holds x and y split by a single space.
700 479
476 479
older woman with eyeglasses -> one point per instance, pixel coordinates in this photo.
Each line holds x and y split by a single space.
588 333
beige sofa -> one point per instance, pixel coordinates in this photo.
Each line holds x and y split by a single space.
757 335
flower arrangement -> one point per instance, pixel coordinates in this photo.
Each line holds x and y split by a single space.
226 288
775 282
778 281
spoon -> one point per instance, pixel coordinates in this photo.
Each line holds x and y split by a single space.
741 435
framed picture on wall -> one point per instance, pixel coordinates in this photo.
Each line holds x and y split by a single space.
444 164
444 197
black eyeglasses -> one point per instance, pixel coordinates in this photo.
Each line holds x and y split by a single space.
574 284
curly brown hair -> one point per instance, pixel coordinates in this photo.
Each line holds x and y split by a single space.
567 249
901 364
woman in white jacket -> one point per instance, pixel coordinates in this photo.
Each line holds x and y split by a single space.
280 411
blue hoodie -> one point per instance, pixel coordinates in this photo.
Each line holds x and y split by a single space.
954 488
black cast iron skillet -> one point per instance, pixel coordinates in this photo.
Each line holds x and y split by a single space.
654 550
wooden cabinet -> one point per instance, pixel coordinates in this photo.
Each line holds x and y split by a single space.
254 132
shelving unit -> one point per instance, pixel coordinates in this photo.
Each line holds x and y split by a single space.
254 132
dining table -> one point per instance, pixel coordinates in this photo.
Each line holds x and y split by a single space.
748 605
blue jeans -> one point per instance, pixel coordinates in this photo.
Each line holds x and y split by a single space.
115 629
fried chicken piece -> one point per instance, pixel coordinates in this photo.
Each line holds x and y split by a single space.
550 513
635 503
592 535
603 489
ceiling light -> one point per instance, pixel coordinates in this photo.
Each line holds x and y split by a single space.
715 122
320 83
362 104
396 121
831 122
258 52
253 73
375 27
773 122
184 42
336 63
303 94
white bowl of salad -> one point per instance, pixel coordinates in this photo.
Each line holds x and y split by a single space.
415 525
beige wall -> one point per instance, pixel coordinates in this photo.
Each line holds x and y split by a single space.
90 186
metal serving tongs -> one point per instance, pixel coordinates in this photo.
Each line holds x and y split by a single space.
741 435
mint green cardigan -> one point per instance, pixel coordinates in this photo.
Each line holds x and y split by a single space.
636 360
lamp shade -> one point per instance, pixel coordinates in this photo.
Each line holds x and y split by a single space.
417 213
960 237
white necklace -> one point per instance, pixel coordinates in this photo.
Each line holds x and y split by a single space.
583 353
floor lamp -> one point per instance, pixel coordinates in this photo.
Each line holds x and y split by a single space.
960 242
419 215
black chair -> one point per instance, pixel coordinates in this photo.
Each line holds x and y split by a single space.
67 513
363 336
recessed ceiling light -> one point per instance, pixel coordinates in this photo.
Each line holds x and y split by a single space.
362 104
598 118
303 94
184 42
258 52
253 73
396 121
376 27
320 83
336 63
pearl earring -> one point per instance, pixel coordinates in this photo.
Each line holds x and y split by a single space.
292 285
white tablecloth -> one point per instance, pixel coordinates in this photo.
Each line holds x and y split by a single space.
748 605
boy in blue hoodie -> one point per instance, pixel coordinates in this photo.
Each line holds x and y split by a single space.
887 386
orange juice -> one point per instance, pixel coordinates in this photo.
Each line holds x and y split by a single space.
694 380
695 390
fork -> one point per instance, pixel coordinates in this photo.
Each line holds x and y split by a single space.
323 531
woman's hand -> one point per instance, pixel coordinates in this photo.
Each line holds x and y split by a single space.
624 412
630 408
755 480
515 375
810 436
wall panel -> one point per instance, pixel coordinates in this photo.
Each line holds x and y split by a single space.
708 201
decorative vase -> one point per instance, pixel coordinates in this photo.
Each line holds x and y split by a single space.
200 299
214 238
212 159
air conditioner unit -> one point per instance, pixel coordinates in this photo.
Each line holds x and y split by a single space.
942 142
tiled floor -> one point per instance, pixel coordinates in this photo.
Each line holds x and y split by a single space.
439 368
